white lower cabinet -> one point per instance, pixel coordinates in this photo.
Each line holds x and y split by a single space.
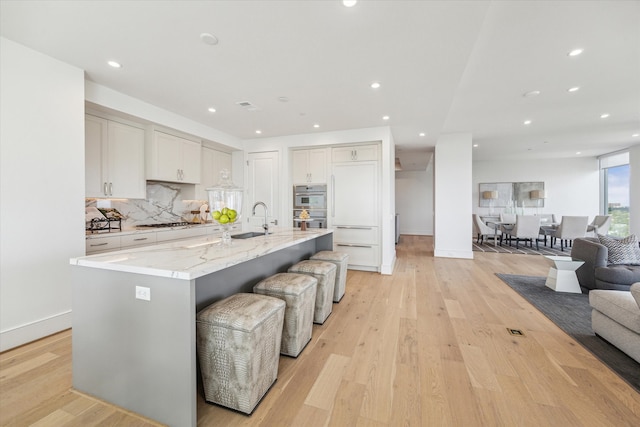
102 244
96 244
360 243
138 239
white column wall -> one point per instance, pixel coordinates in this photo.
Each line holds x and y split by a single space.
42 191
453 164
634 190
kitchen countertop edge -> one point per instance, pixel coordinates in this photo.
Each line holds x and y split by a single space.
195 257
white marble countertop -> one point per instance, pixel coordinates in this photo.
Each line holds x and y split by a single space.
195 257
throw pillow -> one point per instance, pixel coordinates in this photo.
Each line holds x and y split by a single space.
623 251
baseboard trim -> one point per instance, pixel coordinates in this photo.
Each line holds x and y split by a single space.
26 333
453 254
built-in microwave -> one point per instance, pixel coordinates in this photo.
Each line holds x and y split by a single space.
310 197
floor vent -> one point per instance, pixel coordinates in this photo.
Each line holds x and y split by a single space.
516 332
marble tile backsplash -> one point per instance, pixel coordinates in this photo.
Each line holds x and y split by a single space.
165 203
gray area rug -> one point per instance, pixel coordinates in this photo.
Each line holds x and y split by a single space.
572 313
506 249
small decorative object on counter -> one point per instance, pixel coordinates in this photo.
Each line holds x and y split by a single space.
225 204
304 217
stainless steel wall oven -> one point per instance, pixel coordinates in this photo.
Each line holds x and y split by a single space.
313 198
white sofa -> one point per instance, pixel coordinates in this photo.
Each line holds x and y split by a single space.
616 318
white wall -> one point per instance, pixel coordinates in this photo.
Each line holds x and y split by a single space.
414 201
42 191
572 185
452 179
634 190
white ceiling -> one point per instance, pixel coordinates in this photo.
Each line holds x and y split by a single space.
444 66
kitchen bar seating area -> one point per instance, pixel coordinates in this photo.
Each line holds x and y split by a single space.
114 337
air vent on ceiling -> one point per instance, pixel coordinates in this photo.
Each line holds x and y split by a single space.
248 106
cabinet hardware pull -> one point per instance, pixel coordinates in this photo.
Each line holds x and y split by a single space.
104 189
98 244
111 188
140 238
354 228
354 246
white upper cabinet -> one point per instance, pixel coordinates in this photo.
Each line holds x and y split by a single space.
309 166
213 161
354 153
114 159
172 158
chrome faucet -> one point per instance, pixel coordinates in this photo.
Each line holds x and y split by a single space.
266 216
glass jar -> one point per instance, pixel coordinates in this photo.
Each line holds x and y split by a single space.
225 204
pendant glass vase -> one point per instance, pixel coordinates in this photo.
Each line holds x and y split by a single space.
225 204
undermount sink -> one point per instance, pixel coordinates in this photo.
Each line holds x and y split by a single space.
247 235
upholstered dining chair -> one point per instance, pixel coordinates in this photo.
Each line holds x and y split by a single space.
527 228
547 225
481 229
599 225
571 227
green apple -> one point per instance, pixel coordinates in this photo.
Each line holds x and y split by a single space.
223 219
216 215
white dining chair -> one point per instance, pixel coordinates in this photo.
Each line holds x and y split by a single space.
482 230
599 225
571 227
527 228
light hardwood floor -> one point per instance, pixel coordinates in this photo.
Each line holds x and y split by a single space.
427 346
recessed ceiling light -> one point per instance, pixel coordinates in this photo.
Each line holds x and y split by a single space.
208 39
635 135
575 52
578 152
349 3
114 64
316 126
385 117
604 116
573 89
212 110
258 131
375 85
283 99
421 134
531 93
527 122
475 145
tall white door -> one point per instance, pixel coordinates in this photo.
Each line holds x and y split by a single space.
264 186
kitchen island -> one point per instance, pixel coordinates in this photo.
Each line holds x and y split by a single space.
134 340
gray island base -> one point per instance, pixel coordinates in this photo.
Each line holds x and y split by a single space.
134 314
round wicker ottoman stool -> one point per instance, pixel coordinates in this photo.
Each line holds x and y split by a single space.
238 343
325 272
341 260
298 291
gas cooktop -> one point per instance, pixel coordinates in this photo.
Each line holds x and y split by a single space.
162 225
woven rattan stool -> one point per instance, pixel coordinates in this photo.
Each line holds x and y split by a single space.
238 342
325 272
341 260
298 291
